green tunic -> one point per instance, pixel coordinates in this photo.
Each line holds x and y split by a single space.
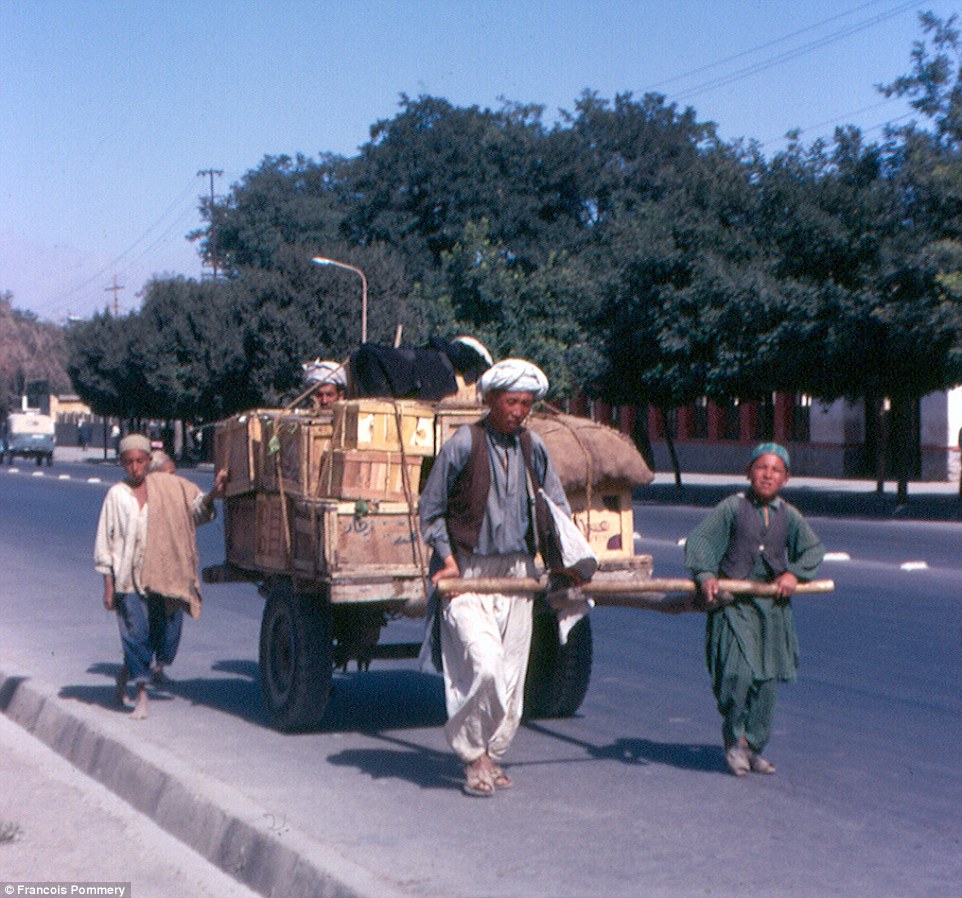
762 629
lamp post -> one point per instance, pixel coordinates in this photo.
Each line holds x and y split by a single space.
320 260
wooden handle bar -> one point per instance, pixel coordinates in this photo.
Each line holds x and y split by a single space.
624 588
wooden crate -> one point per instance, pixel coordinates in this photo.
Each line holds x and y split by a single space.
237 447
254 531
372 424
610 525
360 538
448 418
467 393
369 474
240 518
292 449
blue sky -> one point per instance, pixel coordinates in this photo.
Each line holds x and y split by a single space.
111 107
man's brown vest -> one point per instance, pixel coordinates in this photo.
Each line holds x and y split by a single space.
469 495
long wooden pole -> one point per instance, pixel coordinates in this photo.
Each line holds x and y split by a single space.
507 585
670 595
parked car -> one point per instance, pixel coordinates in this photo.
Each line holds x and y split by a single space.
29 435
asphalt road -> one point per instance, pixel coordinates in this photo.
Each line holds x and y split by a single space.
628 798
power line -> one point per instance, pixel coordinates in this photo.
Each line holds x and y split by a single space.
62 301
766 45
787 55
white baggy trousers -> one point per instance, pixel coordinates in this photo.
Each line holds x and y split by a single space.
485 641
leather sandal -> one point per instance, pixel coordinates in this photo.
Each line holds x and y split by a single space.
477 783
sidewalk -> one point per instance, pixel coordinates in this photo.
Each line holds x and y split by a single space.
816 496
59 826
96 804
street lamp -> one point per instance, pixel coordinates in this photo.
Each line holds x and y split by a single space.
320 260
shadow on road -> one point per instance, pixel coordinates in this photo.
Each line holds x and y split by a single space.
378 700
685 756
237 695
424 767
360 702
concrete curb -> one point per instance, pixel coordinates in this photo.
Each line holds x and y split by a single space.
232 832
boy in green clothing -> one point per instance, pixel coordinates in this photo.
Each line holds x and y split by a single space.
750 643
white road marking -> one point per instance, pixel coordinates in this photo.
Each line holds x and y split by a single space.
914 566
837 556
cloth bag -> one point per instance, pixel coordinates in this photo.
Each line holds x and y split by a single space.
564 548
568 557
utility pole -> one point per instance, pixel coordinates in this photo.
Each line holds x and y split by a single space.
212 239
115 289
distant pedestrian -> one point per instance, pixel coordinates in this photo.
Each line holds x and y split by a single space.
115 440
83 433
146 550
751 642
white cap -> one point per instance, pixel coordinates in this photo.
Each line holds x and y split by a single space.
327 372
514 375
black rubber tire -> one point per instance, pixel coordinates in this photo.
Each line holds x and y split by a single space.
558 675
295 657
50 460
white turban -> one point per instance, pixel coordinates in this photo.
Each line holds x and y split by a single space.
477 346
318 372
134 441
516 376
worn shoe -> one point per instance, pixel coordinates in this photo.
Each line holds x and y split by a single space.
758 764
736 756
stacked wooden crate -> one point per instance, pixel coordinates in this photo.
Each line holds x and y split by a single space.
606 520
307 491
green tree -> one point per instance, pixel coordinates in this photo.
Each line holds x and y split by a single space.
30 350
103 365
539 314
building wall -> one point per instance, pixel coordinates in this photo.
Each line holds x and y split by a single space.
836 444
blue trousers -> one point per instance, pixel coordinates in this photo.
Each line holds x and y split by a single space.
147 632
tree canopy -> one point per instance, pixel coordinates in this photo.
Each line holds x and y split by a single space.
625 248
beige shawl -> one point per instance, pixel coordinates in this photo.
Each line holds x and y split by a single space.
170 557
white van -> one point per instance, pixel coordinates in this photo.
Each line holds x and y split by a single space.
29 435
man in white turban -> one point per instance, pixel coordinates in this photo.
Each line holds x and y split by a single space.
476 515
514 375
329 382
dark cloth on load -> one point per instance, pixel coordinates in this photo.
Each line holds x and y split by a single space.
407 373
402 373
467 362
584 450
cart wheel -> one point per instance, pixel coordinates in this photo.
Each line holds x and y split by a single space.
558 675
295 657
49 460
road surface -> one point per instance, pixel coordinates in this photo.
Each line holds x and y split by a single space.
629 798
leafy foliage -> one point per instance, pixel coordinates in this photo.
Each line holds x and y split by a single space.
30 350
626 249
